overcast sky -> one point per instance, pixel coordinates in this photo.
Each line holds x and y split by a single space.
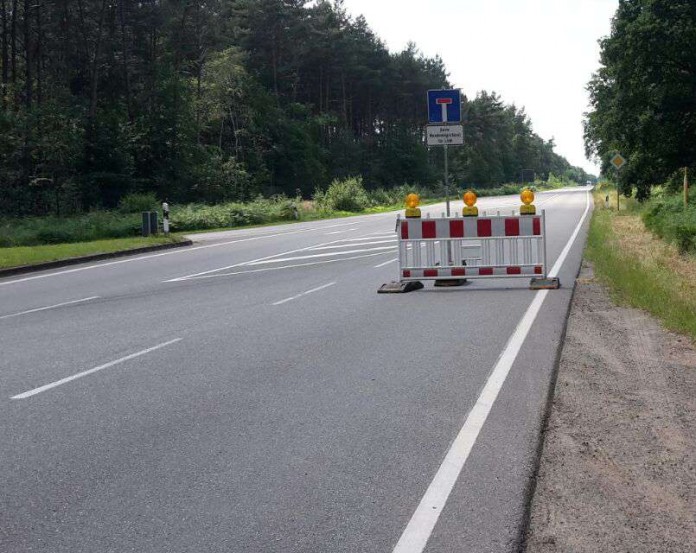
539 54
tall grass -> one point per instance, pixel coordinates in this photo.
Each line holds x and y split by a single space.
643 271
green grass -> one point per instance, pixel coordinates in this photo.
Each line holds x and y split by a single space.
29 255
641 270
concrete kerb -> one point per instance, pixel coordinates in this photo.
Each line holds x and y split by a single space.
22 269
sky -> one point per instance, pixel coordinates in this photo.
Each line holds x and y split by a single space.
536 54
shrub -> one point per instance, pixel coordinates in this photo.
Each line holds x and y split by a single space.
343 195
667 218
137 203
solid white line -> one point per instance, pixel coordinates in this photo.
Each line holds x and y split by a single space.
347 244
218 275
422 523
316 255
386 263
172 252
90 371
48 307
286 300
243 263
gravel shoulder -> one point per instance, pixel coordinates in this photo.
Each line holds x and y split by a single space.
618 467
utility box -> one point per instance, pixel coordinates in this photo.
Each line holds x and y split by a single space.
149 224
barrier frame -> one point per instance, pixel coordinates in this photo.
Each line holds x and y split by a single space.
410 251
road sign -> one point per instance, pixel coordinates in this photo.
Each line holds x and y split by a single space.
445 135
444 106
618 161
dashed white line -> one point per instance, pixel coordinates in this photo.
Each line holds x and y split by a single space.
420 527
28 311
90 371
286 300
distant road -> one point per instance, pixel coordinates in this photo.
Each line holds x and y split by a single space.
254 393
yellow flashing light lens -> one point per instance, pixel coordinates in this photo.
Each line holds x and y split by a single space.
412 201
527 196
470 198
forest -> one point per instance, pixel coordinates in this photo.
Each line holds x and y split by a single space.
214 101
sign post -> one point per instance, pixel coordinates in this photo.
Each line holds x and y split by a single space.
618 161
444 126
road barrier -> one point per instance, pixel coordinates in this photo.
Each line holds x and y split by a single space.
457 249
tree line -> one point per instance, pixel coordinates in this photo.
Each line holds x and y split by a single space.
643 97
215 100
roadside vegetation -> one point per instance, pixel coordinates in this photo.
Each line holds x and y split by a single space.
647 256
30 255
341 198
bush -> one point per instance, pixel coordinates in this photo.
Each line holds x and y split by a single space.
137 203
260 211
666 217
343 195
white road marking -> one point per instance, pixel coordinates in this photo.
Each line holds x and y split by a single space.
172 252
48 307
340 231
352 245
286 300
90 371
386 263
243 263
218 275
422 523
316 255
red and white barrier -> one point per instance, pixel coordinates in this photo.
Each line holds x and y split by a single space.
472 247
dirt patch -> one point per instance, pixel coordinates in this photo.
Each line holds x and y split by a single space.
618 468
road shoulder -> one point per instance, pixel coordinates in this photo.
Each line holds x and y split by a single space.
618 467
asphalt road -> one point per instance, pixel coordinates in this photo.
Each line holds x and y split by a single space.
254 393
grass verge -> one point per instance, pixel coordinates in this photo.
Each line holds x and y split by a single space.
642 270
31 255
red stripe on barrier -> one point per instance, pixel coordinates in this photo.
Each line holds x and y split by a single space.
407 274
456 229
538 271
514 270
483 227
404 230
536 226
486 271
512 227
429 229
458 271
430 272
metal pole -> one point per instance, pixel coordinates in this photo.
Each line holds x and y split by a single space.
543 238
618 191
447 182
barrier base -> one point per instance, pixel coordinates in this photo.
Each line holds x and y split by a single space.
545 283
449 282
400 287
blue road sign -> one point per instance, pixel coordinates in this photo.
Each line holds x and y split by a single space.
444 106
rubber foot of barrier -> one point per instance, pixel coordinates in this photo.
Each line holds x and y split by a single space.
401 287
448 282
544 283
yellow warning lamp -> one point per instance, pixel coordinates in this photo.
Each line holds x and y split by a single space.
412 203
528 207
470 209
